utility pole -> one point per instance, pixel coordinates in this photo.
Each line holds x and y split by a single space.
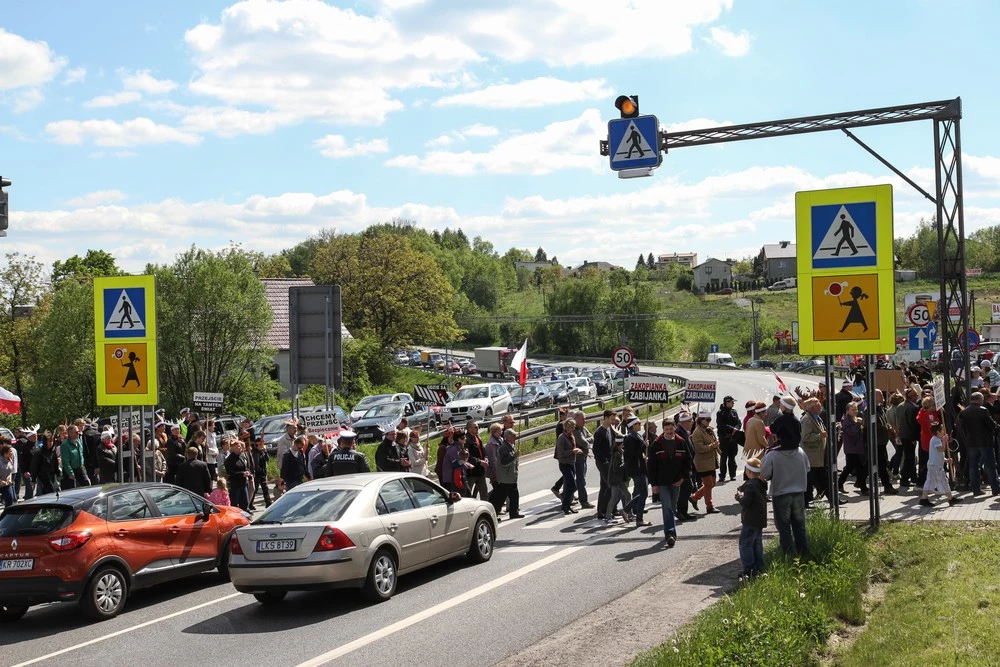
4 182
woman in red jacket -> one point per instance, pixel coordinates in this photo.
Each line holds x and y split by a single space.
927 415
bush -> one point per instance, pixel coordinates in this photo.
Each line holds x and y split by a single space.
784 616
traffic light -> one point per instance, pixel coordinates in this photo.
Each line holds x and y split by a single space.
628 105
3 206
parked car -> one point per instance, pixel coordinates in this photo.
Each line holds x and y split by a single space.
532 395
779 285
570 370
812 366
725 291
415 358
368 402
357 531
228 425
585 389
95 545
468 367
452 366
480 401
761 363
385 417
402 358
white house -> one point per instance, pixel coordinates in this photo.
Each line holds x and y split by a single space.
713 274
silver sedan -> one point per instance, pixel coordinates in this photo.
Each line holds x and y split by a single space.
357 531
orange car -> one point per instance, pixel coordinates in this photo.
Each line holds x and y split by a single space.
95 545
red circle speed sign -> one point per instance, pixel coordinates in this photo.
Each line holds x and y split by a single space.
622 357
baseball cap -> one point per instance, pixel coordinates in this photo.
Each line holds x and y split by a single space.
728 398
184 411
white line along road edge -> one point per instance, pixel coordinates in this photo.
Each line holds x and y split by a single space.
436 609
128 630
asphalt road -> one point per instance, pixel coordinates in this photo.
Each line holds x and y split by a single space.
547 572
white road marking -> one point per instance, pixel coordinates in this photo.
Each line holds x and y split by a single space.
536 549
405 623
535 496
549 523
133 628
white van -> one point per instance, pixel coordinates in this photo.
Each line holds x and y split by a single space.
722 359
787 283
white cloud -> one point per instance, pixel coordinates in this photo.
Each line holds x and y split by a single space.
732 44
440 142
145 82
475 131
112 133
985 166
696 124
113 100
25 63
336 146
230 121
542 91
75 75
102 154
479 130
26 100
94 198
568 144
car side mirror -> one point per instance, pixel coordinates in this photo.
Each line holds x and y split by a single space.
206 511
453 497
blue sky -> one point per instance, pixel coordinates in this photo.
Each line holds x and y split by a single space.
143 128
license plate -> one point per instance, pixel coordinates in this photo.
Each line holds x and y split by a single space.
366 436
18 565
275 545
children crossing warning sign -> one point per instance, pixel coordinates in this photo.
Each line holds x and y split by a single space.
125 340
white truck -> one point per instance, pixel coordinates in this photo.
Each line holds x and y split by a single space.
787 283
721 358
492 362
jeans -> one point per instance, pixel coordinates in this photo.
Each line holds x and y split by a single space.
46 484
639 493
581 480
668 505
239 496
604 495
8 495
790 520
78 479
568 471
751 549
984 456
261 482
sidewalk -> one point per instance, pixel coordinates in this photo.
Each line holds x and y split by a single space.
905 507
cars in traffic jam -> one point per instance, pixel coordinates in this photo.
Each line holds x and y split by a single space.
385 417
532 395
368 402
479 401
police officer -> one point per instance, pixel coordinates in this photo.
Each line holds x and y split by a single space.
345 460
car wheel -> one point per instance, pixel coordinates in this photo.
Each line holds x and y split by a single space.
12 612
381 581
481 549
105 595
270 597
489 412
224 562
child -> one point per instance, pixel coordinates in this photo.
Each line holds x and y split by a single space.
616 480
459 476
937 455
752 496
220 496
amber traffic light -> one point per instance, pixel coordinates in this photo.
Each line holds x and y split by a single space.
628 105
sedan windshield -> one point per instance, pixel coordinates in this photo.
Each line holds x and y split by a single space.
518 392
556 387
309 506
384 410
369 401
469 393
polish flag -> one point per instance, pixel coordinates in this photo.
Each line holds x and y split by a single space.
519 364
9 403
781 385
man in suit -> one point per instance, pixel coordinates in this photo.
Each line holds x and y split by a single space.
193 474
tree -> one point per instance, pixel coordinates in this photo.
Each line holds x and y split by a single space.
641 263
685 280
540 255
96 263
650 262
390 291
20 285
213 320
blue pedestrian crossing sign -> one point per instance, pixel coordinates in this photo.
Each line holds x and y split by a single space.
124 312
634 142
843 235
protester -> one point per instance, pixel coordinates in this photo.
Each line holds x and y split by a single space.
194 475
706 460
107 458
72 460
787 469
602 458
584 442
668 464
937 458
635 467
238 474
752 497
293 464
258 459
478 459
928 415
507 473
756 435
8 465
854 450
814 442
692 481
980 430
617 476
730 437
45 467
566 453
417 455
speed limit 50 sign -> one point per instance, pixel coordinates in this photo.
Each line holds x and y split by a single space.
622 357
919 315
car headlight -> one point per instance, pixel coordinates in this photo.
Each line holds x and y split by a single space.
246 515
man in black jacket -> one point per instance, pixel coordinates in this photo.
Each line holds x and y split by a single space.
387 457
728 423
635 467
843 397
293 464
45 467
345 460
979 429
882 438
909 435
91 444
24 450
668 464
478 459
193 474
602 457
691 479
175 454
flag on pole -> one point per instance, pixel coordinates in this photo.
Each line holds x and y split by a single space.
782 389
9 403
519 364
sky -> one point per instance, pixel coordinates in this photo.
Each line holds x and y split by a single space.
144 128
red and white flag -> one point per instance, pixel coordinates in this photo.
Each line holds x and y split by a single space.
9 403
782 389
519 364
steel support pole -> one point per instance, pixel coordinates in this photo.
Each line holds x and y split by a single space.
142 443
328 365
831 441
121 455
871 439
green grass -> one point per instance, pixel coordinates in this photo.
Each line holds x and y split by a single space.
784 617
942 600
